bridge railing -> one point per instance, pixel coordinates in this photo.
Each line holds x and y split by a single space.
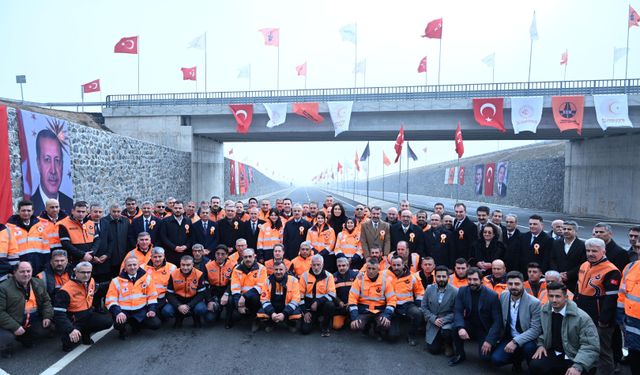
393 93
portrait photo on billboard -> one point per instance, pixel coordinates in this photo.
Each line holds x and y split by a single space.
45 160
479 178
502 178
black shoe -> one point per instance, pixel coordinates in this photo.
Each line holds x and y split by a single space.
228 325
325 333
86 340
196 322
458 359
412 341
67 348
255 326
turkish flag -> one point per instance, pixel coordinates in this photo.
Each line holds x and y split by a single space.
399 142
459 143
243 114
188 74
302 69
461 175
6 203
568 112
339 167
422 68
309 111
357 162
634 17
489 177
433 29
271 36
488 112
127 44
93 86
564 59
385 159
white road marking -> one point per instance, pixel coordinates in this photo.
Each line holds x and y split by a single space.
72 355
2 372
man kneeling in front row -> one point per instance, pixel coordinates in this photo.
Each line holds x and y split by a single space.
280 299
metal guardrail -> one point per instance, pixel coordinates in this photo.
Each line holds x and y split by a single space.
454 91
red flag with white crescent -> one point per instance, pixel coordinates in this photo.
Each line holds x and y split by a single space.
399 142
489 177
243 114
422 67
6 200
93 86
489 112
127 44
188 74
433 29
459 143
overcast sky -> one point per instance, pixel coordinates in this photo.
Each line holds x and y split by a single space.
60 45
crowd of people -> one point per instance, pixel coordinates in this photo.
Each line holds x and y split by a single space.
559 303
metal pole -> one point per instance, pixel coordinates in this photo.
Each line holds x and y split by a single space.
626 64
382 179
278 67
407 170
205 64
613 65
138 54
355 61
458 182
439 60
21 93
82 96
368 159
355 175
399 175
530 54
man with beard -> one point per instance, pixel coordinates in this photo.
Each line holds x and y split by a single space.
459 276
568 254
175 234
280 299
56 273
317 291
409 293
437 305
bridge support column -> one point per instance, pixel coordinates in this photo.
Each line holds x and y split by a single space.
602 177
207 168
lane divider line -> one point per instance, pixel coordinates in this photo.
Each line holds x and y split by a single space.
75 353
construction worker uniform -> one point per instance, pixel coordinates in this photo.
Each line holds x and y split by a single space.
247 282
188 290
52 281
369 300
269 265
160 277
143 256
349 246
382 265
413 263
216 215
629 312
134 296
280 296
9 253
268 237
300 265
51 230
343 286
218 277
323 242
32 240
457 282
497 284
73 309
535 290
130 217
78 238
409 293
321 290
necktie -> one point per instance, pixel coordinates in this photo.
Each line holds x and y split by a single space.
98 227
204 227
533 238
253 227
375 226
458 225
146 224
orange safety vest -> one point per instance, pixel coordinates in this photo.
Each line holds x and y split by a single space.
300 265
160 276
591 277
292 298
323 288
51 230
215 217
498 287
185 286
382 266
270 262
131 296
414 258
242 282
79 233
31 305
376 295
527 288
263 215
322 240
8 249
456 282
269 237
408 288
629 292
143 258
80 296
34 241
126 215
218 275
349 244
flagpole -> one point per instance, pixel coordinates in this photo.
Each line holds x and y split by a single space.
355 62
138 55
493 72
355 175
626 64
82 97
399 175
407 170
364 75
383 176
368 159
278 67
613 65
250 76
458 182
205 64
439 59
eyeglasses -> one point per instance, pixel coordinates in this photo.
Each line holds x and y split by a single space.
359 209
160 206
84 272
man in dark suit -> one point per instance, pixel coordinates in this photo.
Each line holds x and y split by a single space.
511 239
409 232
205 231
375 233
295 233
617 255
114 229
230 228
252 228
175 234
502 181
437 243
145 223
535 245
66 203
567 255
477 316
465 233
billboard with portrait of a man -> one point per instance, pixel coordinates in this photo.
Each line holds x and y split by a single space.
502 178
45 160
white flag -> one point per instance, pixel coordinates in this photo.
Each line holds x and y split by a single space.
348 33
361 67
446 176
198 42
490 60
244 71
533 30
619 53
526 113
340 115
455 175
277 114
612 110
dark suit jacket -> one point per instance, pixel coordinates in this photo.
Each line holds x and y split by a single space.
416 242
439 248
569 262
113 241
66 203
229 232
502 190
172 235
292 237
617 255
463 248
252 238
137 226
512 249
208 238
488 308
539 251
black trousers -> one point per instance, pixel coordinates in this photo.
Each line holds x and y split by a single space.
634 361
444 336
475 333
233 315
369 320
34 332
325 310
136 325
88 325
552 364
408 311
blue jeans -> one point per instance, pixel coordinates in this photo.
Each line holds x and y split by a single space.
501 358
168 311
